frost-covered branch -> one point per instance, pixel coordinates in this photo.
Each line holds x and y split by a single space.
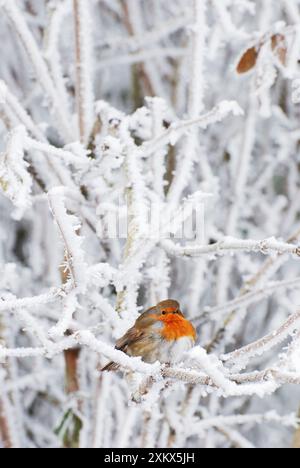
36 58
251 298
63 154
47 298
68 226
242 356
134 364
84 68
231 245
59 16
15 180
271 417
128 118
18 111
178 129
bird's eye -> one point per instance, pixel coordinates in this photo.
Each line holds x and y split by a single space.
163 312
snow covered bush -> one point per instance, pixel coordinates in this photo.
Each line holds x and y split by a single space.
108 109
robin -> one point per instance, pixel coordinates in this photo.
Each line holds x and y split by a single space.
162 333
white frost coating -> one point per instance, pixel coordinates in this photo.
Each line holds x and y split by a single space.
31 302
252 297
231 245
64 155
88 339
15 180
217 374
238 280
198 54
178 129
69 307
211 366
69 226
22 116
31 48
159 110
241 357
84 67
271 416
52 53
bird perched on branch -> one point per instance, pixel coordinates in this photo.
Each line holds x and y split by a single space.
162 333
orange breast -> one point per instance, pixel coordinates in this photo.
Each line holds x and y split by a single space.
176 327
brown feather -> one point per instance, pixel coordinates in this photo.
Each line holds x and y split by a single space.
131 337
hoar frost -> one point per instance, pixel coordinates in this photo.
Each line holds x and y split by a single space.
108 109
15 181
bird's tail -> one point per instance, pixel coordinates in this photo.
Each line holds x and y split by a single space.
111 366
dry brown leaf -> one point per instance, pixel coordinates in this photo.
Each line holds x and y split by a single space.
279 47
248 60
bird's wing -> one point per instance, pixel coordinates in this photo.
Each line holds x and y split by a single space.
131 336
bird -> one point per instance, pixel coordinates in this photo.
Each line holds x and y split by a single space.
161 333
